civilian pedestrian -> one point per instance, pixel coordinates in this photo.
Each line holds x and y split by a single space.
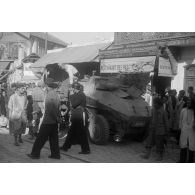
191 93
181 103
158 131
187 138
29 111
49 127
17 113
3 100
78 131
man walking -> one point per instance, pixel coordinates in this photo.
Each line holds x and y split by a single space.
49 126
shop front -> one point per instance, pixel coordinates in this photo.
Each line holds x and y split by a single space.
158 69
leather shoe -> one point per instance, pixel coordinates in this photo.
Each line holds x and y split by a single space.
84 152
33 157
54 157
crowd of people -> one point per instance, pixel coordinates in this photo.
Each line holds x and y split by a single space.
173 116
44 124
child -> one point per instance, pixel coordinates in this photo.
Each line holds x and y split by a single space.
33 115
3 121
159 130
64 121
29 111
37 115
187 138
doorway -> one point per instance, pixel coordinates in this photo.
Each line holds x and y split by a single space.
161 83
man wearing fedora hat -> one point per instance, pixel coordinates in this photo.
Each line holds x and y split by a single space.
49 127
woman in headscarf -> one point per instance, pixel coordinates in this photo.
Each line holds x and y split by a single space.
17 113
78 121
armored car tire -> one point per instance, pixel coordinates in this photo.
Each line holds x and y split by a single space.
99 130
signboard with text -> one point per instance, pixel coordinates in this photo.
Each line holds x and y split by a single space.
165 69
128 65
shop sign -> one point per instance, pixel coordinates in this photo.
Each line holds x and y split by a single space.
165 69
128 65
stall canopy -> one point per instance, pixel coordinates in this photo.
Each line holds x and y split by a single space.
71 55
136 64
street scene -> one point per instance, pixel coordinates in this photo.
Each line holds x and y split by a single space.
121 97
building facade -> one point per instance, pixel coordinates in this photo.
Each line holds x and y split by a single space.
18 45
171 54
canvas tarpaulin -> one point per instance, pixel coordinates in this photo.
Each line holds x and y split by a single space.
70 55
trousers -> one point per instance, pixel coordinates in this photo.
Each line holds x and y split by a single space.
77 135
186 155
47 132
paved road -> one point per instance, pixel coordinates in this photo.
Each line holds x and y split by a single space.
126 152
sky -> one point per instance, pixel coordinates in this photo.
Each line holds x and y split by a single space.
77 38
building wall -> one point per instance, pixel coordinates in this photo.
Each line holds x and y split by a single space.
14 46
128 37
187 58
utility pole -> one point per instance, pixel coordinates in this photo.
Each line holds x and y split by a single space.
46 39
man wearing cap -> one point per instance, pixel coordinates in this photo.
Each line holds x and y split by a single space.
17 113
49 127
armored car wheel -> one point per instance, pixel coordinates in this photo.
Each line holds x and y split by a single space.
99 131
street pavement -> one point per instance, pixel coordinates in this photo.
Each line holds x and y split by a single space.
128 151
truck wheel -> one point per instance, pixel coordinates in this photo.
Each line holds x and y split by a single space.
99 130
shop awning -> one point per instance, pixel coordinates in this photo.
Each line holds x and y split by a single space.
136 65
71 55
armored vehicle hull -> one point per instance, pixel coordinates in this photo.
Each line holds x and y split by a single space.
113 111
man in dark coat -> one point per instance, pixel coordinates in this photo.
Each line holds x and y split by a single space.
78 122
49 126
3 100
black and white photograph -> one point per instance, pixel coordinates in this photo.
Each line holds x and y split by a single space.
97 97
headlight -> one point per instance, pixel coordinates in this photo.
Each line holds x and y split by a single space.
117 138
